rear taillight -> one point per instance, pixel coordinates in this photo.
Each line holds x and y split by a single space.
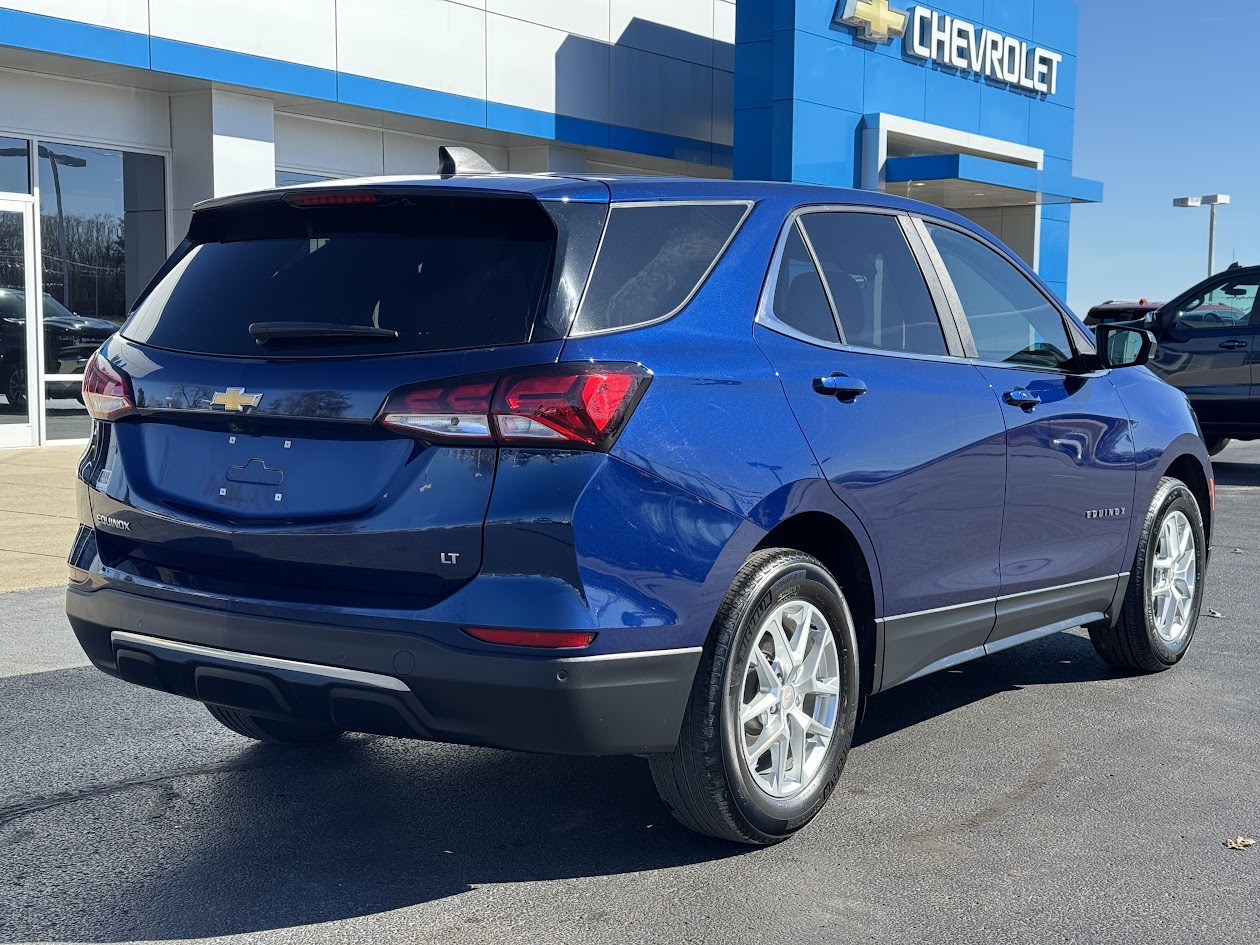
572 406
106 390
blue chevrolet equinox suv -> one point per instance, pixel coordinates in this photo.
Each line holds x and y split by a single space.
685 469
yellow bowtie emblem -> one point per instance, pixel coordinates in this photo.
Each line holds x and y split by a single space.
235 399
879 22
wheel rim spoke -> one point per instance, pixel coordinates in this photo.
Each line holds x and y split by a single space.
757 708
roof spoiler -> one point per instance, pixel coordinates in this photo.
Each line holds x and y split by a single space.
457 162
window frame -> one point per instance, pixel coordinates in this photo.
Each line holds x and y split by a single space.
1084 354
615 205
914 241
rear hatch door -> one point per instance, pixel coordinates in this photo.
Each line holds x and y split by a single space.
253 465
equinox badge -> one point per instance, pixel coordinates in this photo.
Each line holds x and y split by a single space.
235 399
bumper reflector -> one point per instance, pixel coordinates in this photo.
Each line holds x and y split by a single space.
549 639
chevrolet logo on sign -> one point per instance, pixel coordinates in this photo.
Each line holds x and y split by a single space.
879 22
235 399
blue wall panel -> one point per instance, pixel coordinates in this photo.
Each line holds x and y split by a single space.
829 82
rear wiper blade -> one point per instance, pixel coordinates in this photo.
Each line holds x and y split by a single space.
267 332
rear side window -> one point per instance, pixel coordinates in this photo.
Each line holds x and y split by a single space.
880 296
652 260
1010 320
444 273
800 301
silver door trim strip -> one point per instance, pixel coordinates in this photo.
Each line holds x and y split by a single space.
641 654
1124 575
1047 631
375 680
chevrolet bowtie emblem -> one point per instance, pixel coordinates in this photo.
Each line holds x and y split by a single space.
235 399
879 22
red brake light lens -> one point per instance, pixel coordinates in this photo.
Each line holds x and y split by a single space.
571 406
550 639
342 199
107 391
459 410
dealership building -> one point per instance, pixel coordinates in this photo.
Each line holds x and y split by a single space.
116 117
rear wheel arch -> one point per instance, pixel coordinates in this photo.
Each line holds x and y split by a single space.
832 542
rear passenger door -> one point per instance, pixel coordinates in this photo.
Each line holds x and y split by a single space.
1071 471
905 429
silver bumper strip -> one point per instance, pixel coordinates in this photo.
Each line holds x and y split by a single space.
375 680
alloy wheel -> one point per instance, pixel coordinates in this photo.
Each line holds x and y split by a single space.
790 699
1174 578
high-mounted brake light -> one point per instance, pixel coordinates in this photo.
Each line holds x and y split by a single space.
551 639
568 406
342 199
107 391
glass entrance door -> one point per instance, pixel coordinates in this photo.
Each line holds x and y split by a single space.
19 334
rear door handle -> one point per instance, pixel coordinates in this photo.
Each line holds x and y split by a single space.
1233 345
840 386
1021 398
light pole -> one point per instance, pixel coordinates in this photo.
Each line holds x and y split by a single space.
1213 201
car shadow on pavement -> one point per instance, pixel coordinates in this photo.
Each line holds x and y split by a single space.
1063 658
272 838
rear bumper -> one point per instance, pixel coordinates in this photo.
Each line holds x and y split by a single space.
387 682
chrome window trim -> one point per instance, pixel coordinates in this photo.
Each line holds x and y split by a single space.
362 677
747 204
765 305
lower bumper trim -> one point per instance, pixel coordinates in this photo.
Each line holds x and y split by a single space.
332 673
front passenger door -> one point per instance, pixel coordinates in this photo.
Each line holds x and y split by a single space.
1207 347
1071 472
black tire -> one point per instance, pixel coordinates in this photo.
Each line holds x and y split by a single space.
705 781
1134 644
13 386
277 732
1217 443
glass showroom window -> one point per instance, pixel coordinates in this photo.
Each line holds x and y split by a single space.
103 236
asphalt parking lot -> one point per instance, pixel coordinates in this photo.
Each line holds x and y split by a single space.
1029 797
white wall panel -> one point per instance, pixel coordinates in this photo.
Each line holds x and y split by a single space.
536 67
724 35
132 15
328 147
583 17
658 93
433 44
682 29
301 31
83 111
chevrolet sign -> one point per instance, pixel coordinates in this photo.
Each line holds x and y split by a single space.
956 43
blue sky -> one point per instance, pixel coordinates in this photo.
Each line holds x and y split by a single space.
1168 105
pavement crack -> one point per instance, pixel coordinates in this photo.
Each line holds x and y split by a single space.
31 805
937 840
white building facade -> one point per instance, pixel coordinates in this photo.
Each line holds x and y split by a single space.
116 116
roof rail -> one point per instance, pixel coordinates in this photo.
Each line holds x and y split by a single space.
456 162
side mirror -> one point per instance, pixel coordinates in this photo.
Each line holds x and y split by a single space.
1120 347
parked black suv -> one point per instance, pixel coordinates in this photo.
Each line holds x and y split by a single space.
1209 347
69 341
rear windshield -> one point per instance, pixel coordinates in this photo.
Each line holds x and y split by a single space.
443 272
